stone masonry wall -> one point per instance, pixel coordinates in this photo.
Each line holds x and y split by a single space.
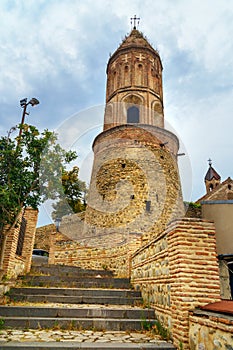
42 238
210 332
178 271
135 184
71 226
72 253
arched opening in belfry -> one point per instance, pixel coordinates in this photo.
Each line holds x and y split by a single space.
133 115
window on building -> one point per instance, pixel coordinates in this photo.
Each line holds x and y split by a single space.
148 205
21 237
133 115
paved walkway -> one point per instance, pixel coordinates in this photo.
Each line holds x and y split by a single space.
35 335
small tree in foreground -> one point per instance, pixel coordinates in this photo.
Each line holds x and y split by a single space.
31 166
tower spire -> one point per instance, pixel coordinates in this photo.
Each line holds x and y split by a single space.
133 21
212 178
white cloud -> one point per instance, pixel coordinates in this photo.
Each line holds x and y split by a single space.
58 50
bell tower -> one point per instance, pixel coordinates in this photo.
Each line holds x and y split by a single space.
212 178
134 77
135 186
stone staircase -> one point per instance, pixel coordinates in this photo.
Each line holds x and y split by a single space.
71 298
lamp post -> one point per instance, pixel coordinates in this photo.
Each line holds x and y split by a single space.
24 104
57 224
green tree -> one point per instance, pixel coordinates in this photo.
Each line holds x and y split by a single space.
72 199
31 166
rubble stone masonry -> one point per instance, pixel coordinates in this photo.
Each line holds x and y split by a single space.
135 183
114 258
178 271
210 331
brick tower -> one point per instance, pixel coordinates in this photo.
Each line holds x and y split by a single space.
135 187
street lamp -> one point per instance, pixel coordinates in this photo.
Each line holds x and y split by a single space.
57 224
24 104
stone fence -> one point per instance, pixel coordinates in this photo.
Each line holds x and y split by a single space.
178 271
115 258
210 330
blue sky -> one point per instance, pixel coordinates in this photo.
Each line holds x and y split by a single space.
57 51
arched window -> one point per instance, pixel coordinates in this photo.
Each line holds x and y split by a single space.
133 115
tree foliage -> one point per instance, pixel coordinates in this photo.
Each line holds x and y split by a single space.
72 200
31 167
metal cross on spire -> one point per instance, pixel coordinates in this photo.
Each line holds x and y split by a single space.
210 161
133 21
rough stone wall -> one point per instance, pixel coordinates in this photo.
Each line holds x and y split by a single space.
135 186
71 226
115 258
225 280
178 271
210 331
192 211
42 237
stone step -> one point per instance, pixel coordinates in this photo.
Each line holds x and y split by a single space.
69 271
87 346
75 300
99 324
125 293
76 312
78 282
76 296
116 309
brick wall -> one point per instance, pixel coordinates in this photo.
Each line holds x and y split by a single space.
31 216
11 263
178 271
134 76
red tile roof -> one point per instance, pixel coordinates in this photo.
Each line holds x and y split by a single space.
223 306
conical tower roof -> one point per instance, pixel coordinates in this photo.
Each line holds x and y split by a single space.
135 40
212 174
